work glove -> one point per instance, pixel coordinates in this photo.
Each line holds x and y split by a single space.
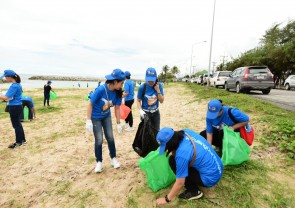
142 113
89 126
119 128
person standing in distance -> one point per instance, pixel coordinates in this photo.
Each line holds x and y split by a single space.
128 95
99 115
47 89
148 97
15 108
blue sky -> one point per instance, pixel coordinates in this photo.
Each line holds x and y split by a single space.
92 37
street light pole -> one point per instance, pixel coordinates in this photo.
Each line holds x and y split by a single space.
204 41
211 43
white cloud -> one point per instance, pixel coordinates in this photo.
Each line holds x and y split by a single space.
90 37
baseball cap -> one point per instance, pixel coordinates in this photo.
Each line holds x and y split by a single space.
49 81
116 74
151 75
127 74
163 136
214 106
8 73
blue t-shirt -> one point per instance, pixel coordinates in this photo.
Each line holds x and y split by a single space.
99 99
207 162
129 87
27 98
224 119
150 99
14 92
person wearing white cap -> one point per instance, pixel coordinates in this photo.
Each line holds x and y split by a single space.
99 115
217 117
14 105
148 97
192 159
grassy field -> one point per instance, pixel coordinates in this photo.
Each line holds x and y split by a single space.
55 168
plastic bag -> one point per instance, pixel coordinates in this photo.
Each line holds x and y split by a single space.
26 113
124 111
247 133
158 172
53 95
235 150
145 138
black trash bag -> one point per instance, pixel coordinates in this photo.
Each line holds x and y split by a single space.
145 138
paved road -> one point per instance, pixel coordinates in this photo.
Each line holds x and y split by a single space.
282 98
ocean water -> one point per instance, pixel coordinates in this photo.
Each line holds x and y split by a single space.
26 83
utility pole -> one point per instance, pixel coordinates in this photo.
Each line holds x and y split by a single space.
208 84
223 57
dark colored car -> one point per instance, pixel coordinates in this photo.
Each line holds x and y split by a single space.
245 79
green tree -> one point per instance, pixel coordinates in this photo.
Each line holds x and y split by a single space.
165 70
175 71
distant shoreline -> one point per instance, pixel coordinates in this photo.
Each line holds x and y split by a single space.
64 78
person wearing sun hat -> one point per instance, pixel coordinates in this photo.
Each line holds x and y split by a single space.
217 117
14 105
128 96
192 159
99 115
148 97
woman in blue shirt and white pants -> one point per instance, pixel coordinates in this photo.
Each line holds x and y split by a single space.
15 108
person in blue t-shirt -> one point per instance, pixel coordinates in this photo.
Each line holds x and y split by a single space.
15 108
193 160
99 115
28 101
128 95
148 97
217 117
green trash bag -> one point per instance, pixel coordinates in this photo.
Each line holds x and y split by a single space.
86 97
158 172
53 95
26 113
235 150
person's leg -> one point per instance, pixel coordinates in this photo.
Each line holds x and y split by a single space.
129 118
48 98
217 137
155 119
108 132
15 114
44 101
97 131
30 111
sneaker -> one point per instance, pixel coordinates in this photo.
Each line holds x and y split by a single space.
24 141
98 167
115 163
126 126
129 129
14 145
190 195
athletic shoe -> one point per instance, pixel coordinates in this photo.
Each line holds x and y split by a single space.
126 126
14 145
129 128
115 163
190 195
24 141
98 167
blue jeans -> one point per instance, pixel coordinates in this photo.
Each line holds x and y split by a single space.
15 112
155 119
106 125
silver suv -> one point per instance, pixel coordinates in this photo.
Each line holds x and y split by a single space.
245 79
290 82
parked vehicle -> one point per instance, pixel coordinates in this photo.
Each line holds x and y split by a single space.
219 77
290 82
245 79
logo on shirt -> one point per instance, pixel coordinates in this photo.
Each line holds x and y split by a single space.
152 100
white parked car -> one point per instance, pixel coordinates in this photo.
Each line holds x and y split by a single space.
290 82
219 77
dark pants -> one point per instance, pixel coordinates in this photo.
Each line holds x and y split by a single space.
28 104
217 137
155 119
129 118
193 180
46 98
15 113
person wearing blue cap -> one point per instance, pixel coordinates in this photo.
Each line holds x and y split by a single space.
99 115
192 159
47 89
217 117
14 105
28 102
128 96
148 97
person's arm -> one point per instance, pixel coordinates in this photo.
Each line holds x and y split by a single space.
238 125
117 109
160 96
138 103
178 185
89 111
3 97
125 94
209 138
34 112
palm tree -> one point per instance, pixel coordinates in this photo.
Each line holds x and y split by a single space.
165 71
175 70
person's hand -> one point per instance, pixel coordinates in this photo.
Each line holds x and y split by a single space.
142 113
119 128
157 88
231 127
89 126
161 201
